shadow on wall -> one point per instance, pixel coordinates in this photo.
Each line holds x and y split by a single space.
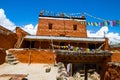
7 41
2 56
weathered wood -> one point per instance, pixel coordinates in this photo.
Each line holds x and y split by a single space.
86 69
82 57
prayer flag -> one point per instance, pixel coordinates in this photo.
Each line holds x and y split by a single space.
92 23
105 23
82 22
113 23
88 23
117 22
100 24
95 23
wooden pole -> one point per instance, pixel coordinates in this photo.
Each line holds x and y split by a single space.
86 68
29 58
70 69
30 44
39 44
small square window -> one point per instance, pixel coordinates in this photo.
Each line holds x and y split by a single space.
50 26
74 27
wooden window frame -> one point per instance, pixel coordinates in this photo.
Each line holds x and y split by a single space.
50 25
74 27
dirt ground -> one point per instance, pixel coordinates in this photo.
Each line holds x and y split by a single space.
33 71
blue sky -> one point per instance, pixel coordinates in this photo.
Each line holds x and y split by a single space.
25 12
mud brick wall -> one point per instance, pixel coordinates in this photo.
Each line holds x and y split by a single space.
7 41
34 56
61 28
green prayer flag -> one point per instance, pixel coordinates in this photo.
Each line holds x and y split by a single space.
96 24
105 23
88 23
117 22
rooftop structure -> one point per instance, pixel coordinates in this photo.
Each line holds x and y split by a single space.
61 26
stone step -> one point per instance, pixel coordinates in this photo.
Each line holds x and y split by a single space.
14 62
9 54
82 75
11 59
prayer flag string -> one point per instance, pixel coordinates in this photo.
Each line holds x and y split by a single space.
104 23
101 22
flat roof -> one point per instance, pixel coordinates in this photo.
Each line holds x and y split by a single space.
62 18
64 38
66 17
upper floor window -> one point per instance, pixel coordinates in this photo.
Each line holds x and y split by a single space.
74 27
50 26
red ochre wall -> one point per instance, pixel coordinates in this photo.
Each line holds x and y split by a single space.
106 46
7 38
61 27
115 57
20 32
34 56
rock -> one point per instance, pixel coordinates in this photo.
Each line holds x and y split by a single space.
71 78
77 76
61 78
95 76
47 68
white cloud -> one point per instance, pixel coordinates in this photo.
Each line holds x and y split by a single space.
113 37
30 29
4 21
99 33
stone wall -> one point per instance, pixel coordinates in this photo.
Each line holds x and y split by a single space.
113 71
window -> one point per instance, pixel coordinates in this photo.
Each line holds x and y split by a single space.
50 26
74 27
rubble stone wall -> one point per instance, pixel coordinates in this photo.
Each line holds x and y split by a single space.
113 71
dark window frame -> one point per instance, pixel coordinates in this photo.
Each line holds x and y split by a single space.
50 25
74 27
